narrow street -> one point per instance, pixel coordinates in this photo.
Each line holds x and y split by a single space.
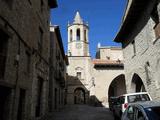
82 112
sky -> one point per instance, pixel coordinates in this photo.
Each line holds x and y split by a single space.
104 18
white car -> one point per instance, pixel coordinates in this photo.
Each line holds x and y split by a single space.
124 99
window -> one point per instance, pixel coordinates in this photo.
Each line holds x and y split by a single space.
122 99
28 62
134 47
39 96
135 98
139 115
78 34
30 2
9 3
153 112
130 113
21 106
3 52
5 102
55 99
79 75
85 35
59 96
108 57
42 5
71 35
40 40
148 73
69 53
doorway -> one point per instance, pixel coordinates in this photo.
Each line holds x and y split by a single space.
79 96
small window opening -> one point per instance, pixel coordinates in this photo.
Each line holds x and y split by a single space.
78 34
71 35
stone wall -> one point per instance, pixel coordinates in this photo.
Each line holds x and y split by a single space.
58 69
25 23
110 53
103 77
145 60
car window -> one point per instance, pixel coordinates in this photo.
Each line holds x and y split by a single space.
122 99
130 113
153 113
139 115
113 100
135 98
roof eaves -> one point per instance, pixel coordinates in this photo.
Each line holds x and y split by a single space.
131 16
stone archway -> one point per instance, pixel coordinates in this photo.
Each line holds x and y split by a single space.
137 84
117 86
79 96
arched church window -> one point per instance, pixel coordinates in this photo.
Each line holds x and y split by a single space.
85 35
71 35
78 34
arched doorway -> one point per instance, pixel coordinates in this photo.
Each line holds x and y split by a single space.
117 86
79 96
137 84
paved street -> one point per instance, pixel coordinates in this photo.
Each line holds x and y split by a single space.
82 112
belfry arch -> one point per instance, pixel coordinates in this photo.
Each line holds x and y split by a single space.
137 84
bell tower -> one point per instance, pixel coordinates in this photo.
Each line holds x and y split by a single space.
78 44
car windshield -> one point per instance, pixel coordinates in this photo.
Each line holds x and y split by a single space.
121 99
153 113
114 100
140 97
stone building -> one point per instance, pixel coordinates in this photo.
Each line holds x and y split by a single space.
24 58
139 35
58 63
90 80
108 73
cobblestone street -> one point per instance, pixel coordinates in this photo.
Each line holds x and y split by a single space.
82 112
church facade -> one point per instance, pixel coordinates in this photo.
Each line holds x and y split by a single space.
92 81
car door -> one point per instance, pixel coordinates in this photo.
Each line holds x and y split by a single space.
139 114
129 114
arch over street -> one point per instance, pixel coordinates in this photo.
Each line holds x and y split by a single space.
117 86
137 84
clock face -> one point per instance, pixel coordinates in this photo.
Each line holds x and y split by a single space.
78 45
